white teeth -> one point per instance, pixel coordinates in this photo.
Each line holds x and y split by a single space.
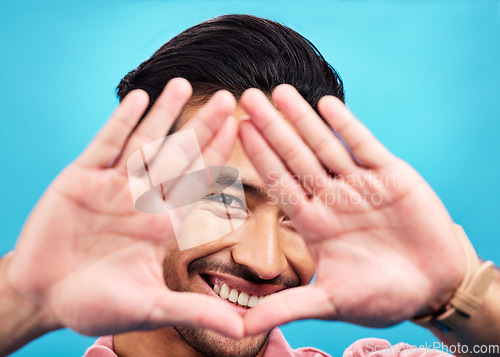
243 299
224 291
253 301
236 297
233 295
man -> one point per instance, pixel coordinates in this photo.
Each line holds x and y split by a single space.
381 243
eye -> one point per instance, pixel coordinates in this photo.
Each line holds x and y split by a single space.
288 223
227 200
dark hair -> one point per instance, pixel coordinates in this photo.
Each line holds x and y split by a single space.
237 52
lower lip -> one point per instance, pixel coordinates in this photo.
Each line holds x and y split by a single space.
241 310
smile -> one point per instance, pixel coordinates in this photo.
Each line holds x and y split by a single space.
235 296
238 291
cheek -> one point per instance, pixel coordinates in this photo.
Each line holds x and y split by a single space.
171 271
199 236
175 270
205 225
191 244
299 257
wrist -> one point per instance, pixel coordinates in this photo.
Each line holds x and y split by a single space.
466 300
23 320
482 329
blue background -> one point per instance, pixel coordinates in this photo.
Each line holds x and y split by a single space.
423 75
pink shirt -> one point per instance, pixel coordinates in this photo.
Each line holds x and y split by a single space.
278 347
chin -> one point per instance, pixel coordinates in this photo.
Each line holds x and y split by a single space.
210 343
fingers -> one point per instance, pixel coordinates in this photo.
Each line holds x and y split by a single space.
173 171
174 309
190 188
208 120
162 115
306 302
182 152
282 186
280 135
318 136
218 150
362 142
111 138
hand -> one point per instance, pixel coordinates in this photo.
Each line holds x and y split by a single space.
383 243
88 258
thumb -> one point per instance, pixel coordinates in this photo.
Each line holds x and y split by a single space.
176 308
305 302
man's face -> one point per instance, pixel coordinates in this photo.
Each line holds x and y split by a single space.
260 255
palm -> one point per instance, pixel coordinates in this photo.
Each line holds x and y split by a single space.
385 260
85 241
85 234
383 242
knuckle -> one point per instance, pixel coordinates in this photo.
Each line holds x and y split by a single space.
290 152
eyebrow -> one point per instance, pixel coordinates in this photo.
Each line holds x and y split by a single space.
227 179
256 191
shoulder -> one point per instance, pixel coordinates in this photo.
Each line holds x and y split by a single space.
103 347
374 347
279 347
378 347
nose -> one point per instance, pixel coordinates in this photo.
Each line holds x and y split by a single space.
258 248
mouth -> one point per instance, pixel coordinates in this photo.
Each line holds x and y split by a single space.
240 293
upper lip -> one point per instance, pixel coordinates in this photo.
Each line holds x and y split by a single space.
242 285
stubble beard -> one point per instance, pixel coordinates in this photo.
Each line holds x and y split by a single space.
210 343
